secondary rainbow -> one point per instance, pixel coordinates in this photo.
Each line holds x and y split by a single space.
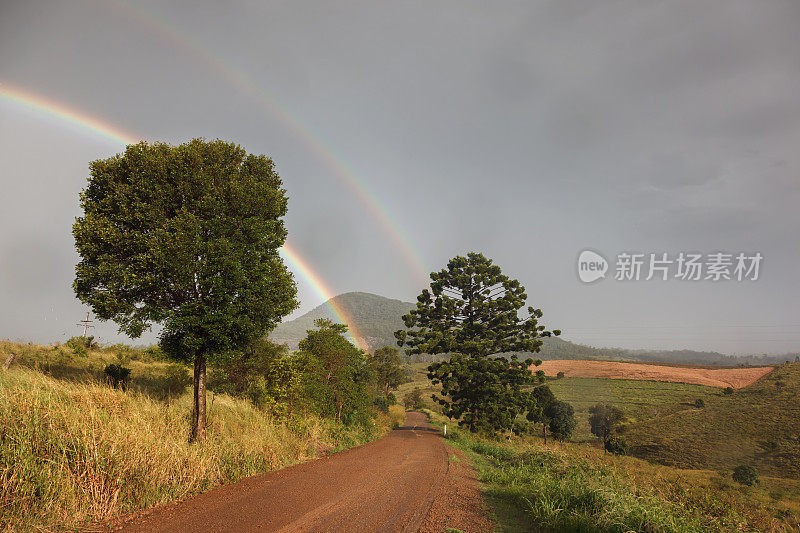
62 112
239 79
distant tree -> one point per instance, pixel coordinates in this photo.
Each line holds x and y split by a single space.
746 475
335 373
699 403
562 419
388 368
539 400
413 400
187 237
604 419
471 312
727 390
560 375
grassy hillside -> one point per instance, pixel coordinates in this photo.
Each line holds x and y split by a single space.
576 487
377 319
74 451
758 425
636 398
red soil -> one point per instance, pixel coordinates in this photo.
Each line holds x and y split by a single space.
721 377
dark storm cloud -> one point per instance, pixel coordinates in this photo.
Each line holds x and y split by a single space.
526 130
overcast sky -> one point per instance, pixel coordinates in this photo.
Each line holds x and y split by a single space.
527 131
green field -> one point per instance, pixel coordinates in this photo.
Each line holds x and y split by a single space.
634 397
759 425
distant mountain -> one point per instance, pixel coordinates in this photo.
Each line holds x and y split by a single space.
377 318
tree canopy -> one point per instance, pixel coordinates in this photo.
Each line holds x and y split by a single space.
472 308
187 237
388 368
335 373
603 420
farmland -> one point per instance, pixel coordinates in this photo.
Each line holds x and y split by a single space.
717 377
634 397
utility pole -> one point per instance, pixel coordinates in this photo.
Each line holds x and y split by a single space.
86 324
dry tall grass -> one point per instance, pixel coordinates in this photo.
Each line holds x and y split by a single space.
74 453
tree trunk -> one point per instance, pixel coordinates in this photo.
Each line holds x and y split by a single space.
544 433
199 406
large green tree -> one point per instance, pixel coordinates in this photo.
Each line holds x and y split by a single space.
472 312
335 373
186 237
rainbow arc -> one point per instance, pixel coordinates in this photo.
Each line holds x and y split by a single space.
104 129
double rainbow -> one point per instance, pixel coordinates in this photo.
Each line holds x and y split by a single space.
160 27
105 130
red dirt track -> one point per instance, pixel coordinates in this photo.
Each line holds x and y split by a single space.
387 485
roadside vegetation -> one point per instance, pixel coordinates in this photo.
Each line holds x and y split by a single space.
568 486
75 450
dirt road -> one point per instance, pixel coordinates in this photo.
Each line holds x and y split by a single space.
387 485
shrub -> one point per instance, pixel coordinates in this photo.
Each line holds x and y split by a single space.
746 475
391 398
617 446
699 403
560 375
727 390
118 376
382 403
82 342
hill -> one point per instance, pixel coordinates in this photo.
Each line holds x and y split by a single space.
758 424
376 318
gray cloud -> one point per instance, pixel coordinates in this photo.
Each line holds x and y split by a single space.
529 131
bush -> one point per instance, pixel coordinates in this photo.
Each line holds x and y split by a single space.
699 403
727 390
118 376
382 403
746 475
391 398
617 446
81 342
560 375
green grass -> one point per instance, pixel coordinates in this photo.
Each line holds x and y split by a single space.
74 451
576 487
634 397
758 425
